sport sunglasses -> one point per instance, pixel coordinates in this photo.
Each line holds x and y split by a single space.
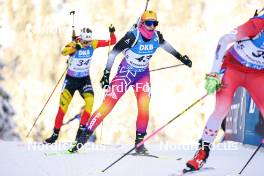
151 22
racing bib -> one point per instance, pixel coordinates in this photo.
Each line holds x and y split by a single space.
249 54
138 56
79 63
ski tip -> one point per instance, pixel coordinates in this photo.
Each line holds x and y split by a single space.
69 152
99 171
66 152
189 170
179 173
184 171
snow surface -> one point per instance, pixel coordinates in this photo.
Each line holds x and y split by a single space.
26 159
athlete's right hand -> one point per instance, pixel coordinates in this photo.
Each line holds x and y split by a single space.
185 60
78 46
111 28
212 83
105 79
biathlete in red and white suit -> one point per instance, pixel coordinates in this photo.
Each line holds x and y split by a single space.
241 65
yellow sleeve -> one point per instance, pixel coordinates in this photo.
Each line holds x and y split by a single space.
69 49
94 44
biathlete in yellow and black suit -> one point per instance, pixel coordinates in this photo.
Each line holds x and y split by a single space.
78 78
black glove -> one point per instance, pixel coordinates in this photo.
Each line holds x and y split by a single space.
78 46
185 59
105 79
111 28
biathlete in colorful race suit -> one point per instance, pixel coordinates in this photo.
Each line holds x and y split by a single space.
77 78
241 65
138 46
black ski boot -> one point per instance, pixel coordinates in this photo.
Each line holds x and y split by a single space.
141 149
79 132
81 140
53 137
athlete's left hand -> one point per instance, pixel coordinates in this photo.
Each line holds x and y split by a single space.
185 59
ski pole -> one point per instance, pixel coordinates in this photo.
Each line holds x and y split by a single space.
108 53
162 68
46 102
154 133
101 134
146 7
73 30
251 157
139 18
